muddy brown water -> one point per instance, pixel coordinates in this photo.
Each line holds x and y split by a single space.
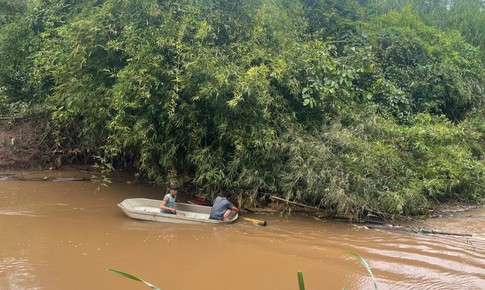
65 235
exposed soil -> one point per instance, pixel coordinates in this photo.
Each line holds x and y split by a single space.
26 144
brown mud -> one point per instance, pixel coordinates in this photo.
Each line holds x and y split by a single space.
26 144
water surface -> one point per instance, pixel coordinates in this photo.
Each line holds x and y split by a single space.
65 235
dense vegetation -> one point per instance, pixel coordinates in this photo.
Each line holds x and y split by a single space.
352 106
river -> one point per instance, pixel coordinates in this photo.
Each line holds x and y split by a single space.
65 235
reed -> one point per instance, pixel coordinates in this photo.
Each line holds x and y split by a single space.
301 282
367 267
362 261
129 276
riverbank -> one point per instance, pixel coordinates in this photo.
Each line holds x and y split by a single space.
29 145
430 224
26 144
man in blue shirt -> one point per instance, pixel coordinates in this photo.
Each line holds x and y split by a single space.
222 207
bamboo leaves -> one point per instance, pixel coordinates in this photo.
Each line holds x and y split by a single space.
310 100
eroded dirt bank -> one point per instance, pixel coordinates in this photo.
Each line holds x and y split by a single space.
26 144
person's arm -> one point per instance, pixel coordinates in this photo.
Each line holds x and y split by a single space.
235 209
165 207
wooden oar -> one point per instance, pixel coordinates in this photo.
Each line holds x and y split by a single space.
258 222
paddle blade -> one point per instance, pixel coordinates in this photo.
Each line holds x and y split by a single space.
258 222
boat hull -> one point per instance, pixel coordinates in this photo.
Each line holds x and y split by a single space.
149 210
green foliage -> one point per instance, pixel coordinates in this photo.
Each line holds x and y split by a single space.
326 102
417 159
426 70
336 20
129 276
17 43
367 267
465 16
301 282
10 11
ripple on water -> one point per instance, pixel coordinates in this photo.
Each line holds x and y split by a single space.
16 273
17 213
430 261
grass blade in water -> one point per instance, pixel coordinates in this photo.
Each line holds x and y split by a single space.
126 275
301 284
367 266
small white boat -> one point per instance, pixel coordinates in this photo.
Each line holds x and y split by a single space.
149 210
